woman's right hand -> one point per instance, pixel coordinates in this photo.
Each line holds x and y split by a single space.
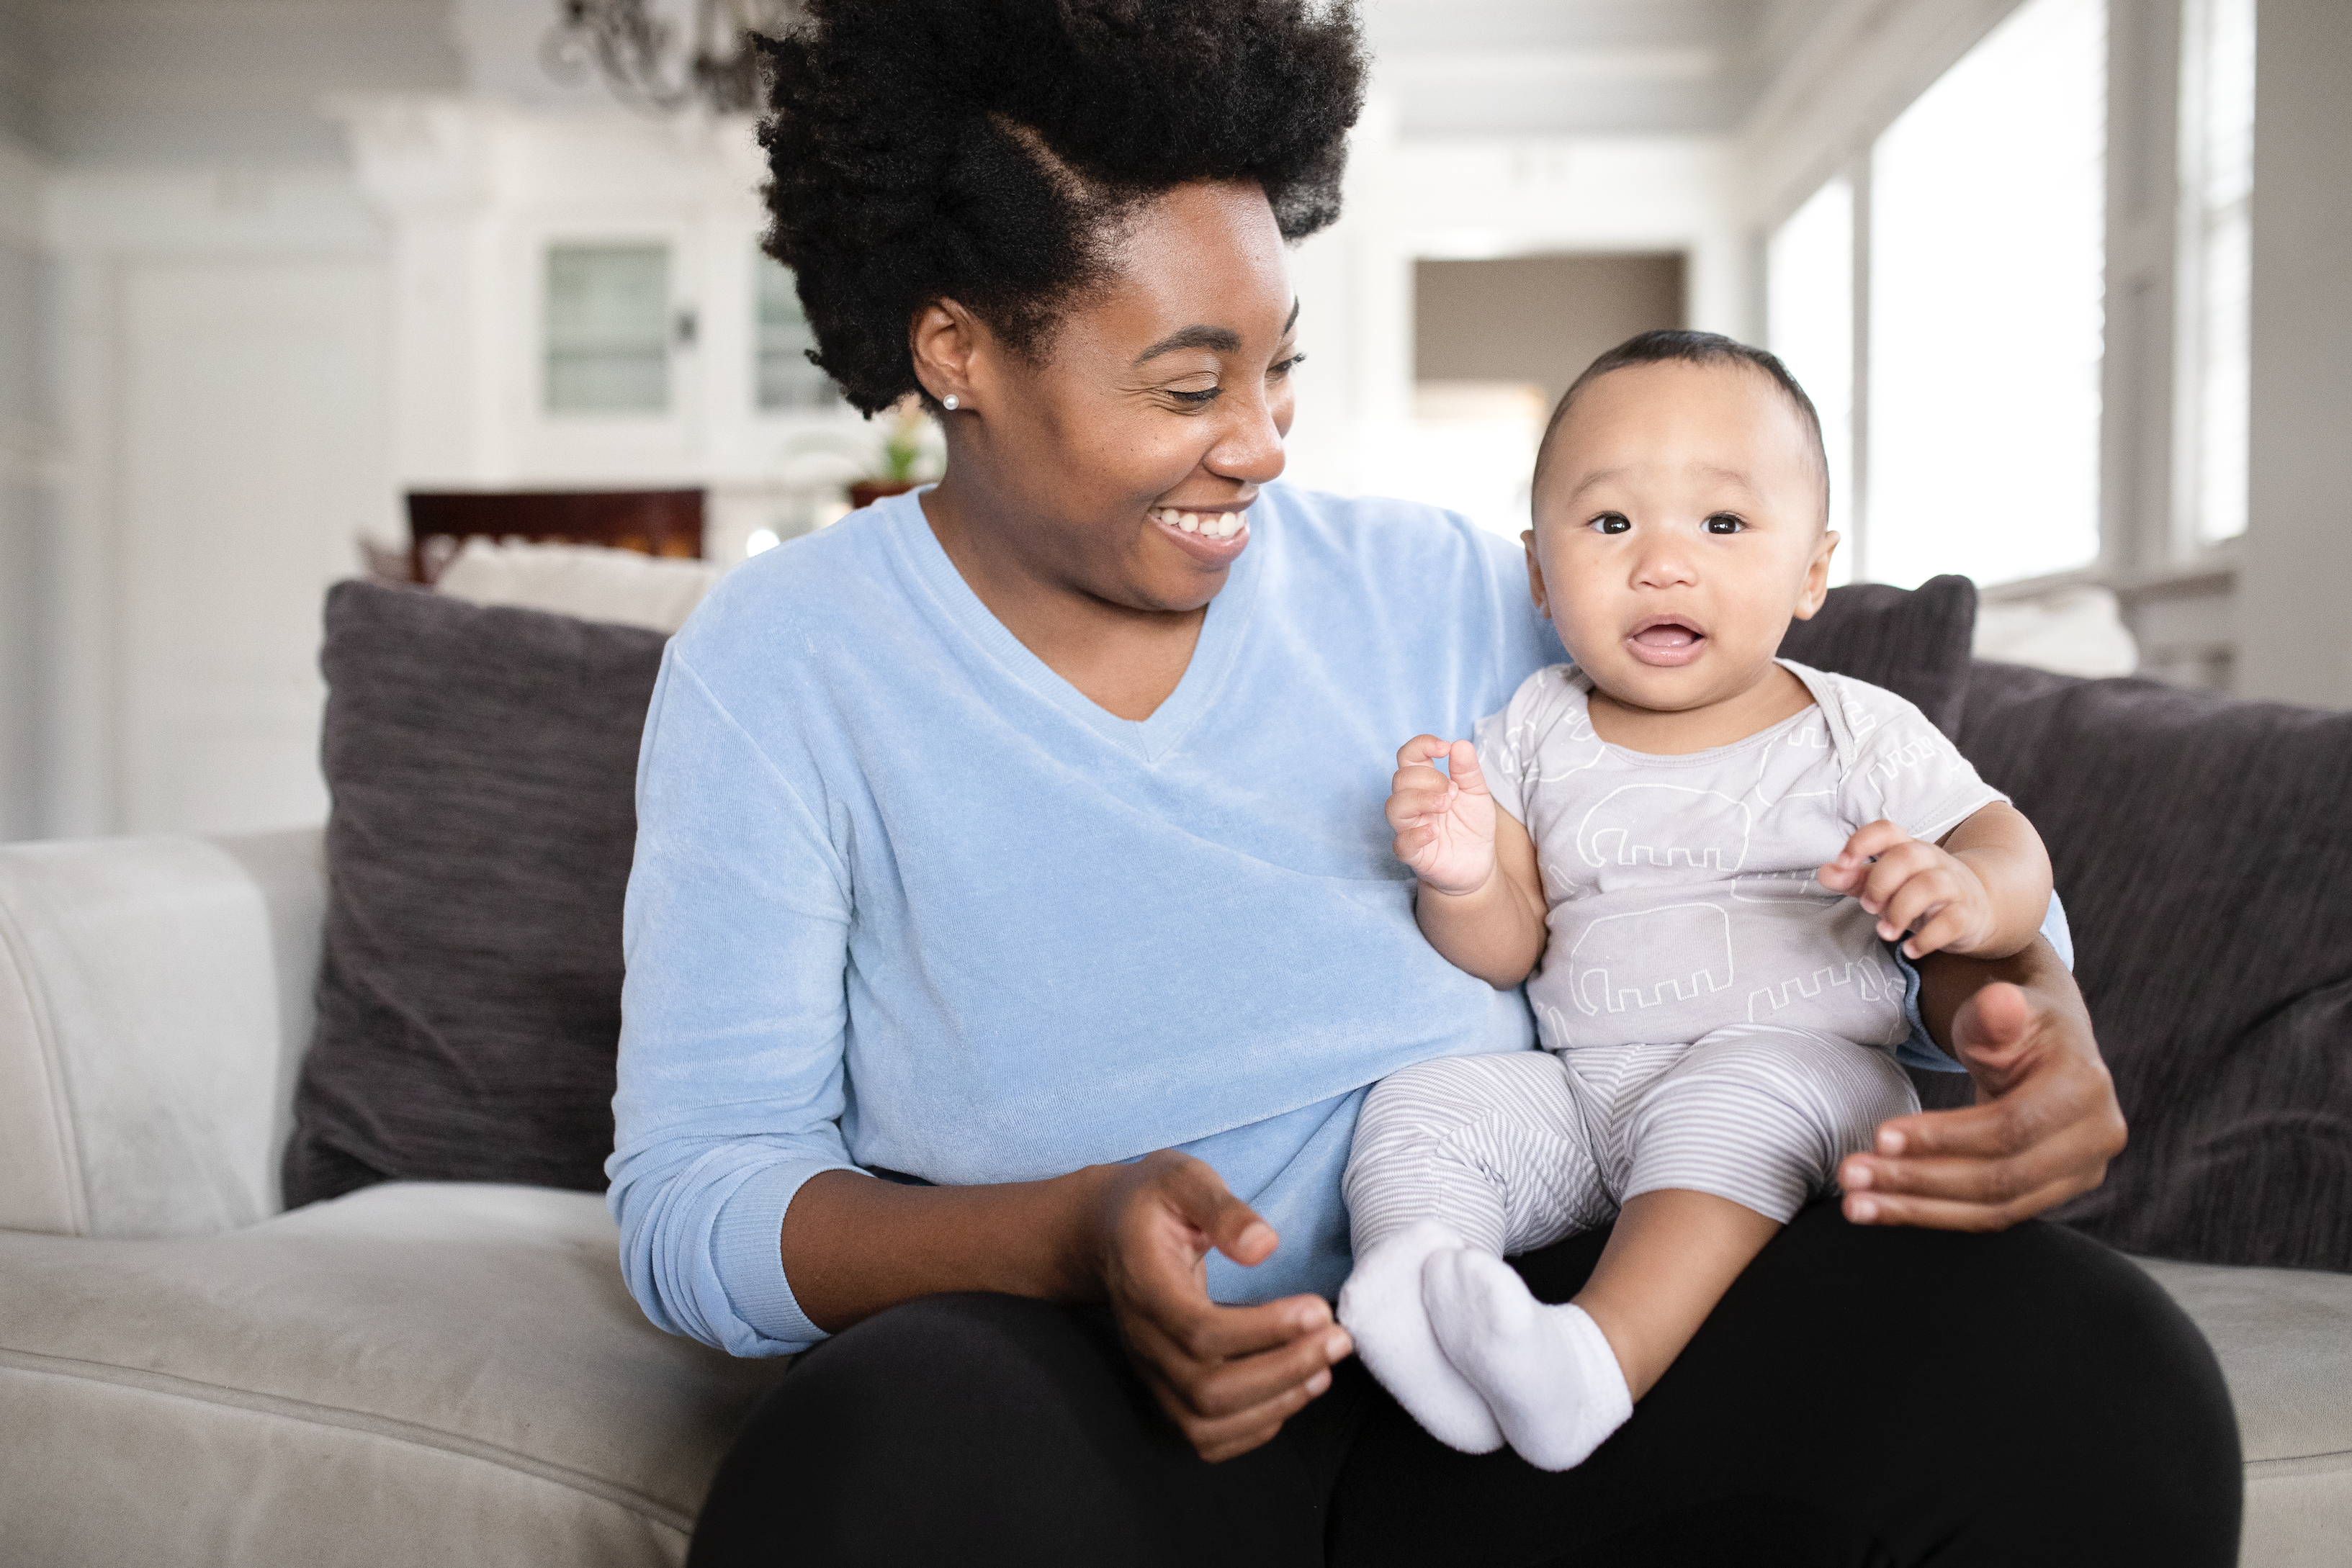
1228 1376
1445 822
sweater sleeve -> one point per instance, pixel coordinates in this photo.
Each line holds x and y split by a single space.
731 1081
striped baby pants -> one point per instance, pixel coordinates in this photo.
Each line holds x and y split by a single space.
1515 1152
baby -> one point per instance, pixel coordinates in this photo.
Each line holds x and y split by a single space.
1694 854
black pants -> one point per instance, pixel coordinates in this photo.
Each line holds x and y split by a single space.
1861 1397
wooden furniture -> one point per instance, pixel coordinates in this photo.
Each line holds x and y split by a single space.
651 522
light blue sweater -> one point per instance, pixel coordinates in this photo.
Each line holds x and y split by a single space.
905 900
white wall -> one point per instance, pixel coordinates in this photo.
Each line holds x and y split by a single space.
1410 198
26 490
2296 587
219 391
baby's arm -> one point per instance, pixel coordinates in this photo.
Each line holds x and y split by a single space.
1481 900
1982 892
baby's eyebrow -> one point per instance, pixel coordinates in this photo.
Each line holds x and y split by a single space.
1736 476
1713 471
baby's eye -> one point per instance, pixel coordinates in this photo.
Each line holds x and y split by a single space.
1725 523
1611 523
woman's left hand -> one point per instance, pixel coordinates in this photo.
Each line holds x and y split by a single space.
2045 1123
1228 1376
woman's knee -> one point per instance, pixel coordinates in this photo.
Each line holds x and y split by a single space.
2072 1410
939 1425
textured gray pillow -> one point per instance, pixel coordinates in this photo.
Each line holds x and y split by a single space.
2204 849
1913 642
482 764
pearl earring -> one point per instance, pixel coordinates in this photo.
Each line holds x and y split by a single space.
949 400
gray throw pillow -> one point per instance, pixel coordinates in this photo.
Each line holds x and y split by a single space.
1913 642
482 765
2203 846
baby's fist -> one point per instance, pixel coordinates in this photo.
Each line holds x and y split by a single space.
1916 887
1445 822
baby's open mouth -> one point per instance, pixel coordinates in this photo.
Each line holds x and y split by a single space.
1665 640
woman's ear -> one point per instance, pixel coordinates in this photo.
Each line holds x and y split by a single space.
1534 574
1817 577
946 342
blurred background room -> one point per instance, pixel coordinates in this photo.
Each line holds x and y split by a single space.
2066 278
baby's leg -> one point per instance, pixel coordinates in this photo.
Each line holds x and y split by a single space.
1558 1380
1725 1147
1483 1151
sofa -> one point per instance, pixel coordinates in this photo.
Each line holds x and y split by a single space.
451 1370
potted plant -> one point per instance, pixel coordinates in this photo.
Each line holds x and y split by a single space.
903 455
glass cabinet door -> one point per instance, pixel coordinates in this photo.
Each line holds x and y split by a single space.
608 329
782 376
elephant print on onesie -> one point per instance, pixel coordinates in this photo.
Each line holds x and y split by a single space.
1682 889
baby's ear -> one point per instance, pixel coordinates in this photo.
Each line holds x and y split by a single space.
1817 575
1534 574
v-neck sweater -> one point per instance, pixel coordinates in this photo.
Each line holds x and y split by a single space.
906 901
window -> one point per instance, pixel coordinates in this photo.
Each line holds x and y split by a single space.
1809 322
784 377
1988 255
2217 185
607 325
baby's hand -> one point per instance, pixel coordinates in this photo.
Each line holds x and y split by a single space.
1445 826
1914 887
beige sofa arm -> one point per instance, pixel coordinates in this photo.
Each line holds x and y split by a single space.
155 998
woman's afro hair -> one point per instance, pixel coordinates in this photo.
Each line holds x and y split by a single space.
985 150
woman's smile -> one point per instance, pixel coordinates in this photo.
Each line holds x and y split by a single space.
1213 537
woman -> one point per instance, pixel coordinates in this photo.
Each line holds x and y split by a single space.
1019 842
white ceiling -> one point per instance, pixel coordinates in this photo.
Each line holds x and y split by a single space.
1488 67
205 80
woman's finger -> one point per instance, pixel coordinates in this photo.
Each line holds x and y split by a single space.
1984 1160
1212 1335
2042 1109
1222 1436
1952 1214
1200 1194
1210 1386
2003 1166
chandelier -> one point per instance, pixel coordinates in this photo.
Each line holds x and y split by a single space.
637 50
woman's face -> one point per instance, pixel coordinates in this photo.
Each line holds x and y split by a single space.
1122 463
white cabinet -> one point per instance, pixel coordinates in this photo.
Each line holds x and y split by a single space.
580 300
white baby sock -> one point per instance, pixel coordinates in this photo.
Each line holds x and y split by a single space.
1381 1307
1548 1375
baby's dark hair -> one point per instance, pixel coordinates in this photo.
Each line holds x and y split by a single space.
1697 348
986 150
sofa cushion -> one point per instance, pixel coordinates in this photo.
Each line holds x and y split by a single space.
1913 642
418 1373
2285 1341
2203 846
481 762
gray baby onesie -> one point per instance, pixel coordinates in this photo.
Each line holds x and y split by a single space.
1714 1019
1682 889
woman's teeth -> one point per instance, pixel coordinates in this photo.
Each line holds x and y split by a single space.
1208 524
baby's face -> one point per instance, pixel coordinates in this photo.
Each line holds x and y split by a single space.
1677 530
